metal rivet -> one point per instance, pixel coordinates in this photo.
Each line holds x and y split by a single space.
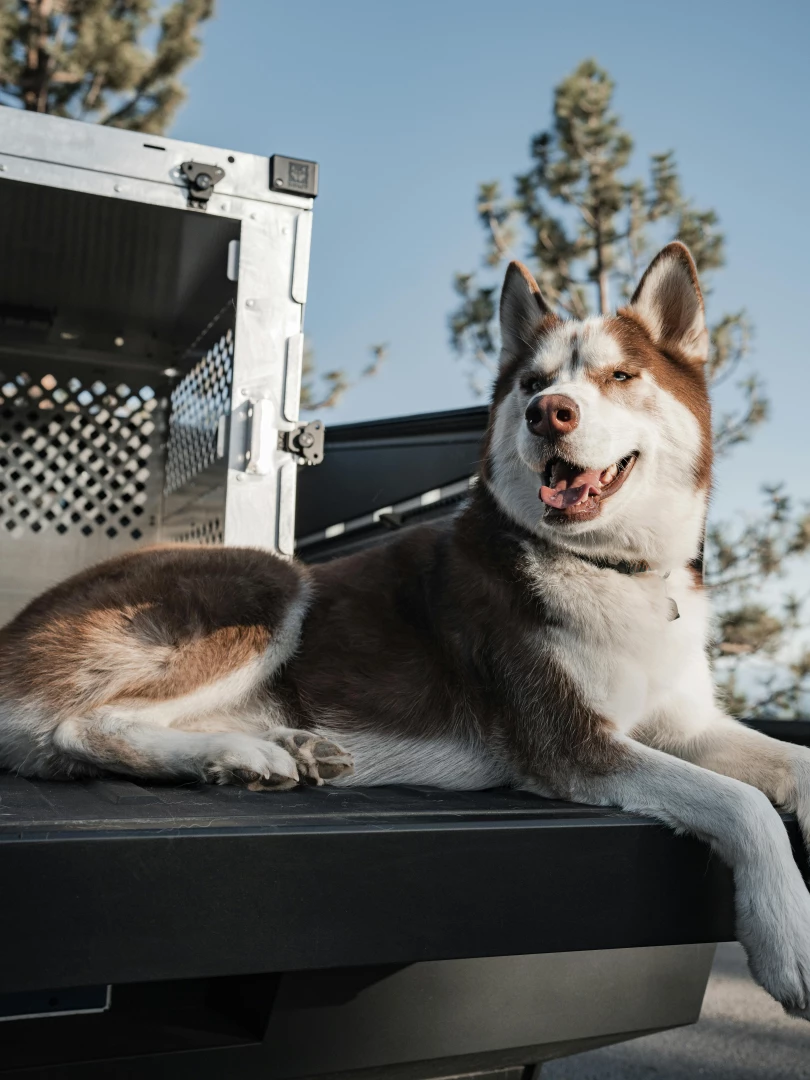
253 217
240 476
223 206
286 230
117 187
250 303
2 168
245 392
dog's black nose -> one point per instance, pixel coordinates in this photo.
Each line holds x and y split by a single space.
552 415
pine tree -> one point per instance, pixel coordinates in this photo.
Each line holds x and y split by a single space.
587 231
86 59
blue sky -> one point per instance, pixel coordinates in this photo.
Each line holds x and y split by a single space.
408 106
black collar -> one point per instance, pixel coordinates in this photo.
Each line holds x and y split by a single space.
623 566
632 568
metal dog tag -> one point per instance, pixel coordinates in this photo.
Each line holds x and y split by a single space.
673 612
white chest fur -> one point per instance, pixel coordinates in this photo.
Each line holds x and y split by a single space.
613 635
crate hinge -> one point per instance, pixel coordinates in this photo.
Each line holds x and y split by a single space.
305 441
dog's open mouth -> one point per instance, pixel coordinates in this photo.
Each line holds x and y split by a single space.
572 492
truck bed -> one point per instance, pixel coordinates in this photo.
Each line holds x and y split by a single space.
170 882
114 882
228 922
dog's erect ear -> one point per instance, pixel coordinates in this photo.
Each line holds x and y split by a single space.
669 302
522 310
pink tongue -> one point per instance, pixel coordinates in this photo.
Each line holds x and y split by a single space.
572 490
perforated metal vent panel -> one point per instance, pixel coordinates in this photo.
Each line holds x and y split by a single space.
207 532
75 457
199 401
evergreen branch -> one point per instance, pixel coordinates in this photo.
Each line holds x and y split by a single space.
86 58
337 383
125 111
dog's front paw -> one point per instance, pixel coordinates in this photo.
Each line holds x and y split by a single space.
775 932
800 795
244 759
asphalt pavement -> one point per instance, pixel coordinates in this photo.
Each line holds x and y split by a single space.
742 1035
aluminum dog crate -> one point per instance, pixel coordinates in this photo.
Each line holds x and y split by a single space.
152 296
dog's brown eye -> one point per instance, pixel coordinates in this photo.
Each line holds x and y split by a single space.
621 376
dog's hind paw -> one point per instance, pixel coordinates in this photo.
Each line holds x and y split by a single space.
316 758
243 759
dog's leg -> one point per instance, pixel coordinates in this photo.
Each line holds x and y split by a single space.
119 743
772 901
161 666
726 746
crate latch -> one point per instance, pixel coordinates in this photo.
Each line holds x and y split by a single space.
201 180
306 441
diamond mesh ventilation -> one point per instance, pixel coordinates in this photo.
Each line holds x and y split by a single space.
74 457
207 532
199 400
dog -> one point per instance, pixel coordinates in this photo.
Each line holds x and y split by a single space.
552 636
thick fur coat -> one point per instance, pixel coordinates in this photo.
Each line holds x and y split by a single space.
552 636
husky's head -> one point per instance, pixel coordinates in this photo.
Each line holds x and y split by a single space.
600 433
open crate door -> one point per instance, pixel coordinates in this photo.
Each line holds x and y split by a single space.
149 354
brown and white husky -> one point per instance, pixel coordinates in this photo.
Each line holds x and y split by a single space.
552 637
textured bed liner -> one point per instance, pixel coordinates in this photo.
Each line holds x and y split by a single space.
29 806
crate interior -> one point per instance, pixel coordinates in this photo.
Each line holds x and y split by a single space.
116 342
